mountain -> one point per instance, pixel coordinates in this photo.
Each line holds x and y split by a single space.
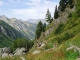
7 34
26 28
35 21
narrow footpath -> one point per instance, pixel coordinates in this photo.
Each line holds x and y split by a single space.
22 58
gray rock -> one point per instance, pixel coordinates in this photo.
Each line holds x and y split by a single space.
36 52
5 55
42 45
20 52
16 50
6 50
11 55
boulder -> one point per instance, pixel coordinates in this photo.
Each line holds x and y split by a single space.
16 50
6 50
11 55
42 45
36 52
23 49
20 52
5 55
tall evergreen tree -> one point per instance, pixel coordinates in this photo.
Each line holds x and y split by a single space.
39 29
56 13
71 3
48 16
62 5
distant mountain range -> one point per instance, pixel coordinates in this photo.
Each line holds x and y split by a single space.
35 21
24 27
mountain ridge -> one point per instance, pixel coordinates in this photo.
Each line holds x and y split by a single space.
8 34
26 28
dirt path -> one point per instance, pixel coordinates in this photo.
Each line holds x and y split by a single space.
22 58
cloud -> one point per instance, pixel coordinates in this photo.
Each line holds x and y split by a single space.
16 1
12 1
37 9
1 3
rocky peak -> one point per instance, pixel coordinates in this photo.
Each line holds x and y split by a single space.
26 28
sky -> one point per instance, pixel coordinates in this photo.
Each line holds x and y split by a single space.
27 9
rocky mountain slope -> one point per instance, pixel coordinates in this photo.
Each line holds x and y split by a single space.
61 40
7 34
27 29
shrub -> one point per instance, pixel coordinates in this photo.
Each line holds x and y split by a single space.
22 42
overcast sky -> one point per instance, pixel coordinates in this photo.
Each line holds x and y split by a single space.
27 9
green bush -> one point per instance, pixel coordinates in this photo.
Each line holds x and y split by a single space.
22 42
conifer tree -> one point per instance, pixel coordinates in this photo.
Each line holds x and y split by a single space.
71 3
48 16
39 29
62 5
56 13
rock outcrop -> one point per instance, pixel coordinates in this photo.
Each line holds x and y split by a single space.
6 52
5 55
20 51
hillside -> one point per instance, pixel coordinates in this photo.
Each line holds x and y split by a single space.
61 40
26 28
7 34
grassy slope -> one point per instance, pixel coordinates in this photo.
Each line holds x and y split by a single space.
69 34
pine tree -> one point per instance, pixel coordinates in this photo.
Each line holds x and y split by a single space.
62 5
48 16
71 3
56 13
39 29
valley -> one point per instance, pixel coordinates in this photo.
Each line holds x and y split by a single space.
36 40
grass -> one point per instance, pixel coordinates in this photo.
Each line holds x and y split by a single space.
11 58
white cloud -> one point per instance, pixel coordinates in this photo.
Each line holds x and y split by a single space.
37 9
1 3
16 1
